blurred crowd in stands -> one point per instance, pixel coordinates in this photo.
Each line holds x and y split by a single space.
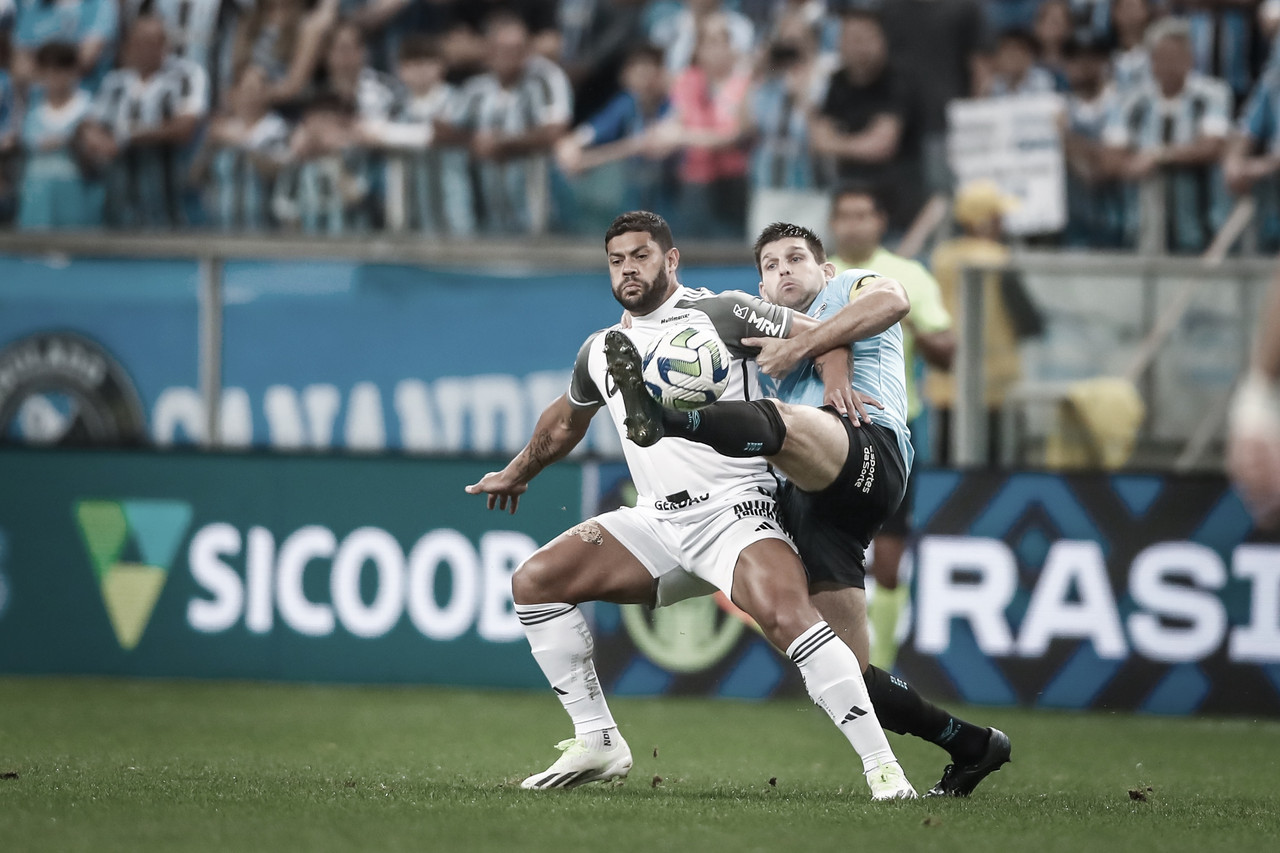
451 118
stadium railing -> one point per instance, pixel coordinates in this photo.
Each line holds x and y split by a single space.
1099 308
1178 328
211 251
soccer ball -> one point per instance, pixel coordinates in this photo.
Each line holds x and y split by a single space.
686 368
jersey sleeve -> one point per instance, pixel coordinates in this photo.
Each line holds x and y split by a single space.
854 279
583 392
737 315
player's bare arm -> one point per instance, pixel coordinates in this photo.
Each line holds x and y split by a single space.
835 368
559 429
878 303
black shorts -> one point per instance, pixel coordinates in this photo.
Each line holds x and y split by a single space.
899 521
832 528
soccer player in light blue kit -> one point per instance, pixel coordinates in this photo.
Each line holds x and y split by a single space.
846 466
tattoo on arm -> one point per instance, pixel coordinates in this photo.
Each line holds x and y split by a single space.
539 454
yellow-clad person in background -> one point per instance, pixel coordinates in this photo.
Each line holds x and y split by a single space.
978 211
858 224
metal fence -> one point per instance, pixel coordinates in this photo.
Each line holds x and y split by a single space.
1180 328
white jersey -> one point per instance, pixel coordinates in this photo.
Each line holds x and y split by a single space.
675 473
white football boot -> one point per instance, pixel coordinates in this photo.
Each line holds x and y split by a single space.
581 764
889 782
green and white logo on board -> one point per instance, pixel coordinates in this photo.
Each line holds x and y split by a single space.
132 544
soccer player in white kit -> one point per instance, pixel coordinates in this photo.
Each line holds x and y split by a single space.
702 522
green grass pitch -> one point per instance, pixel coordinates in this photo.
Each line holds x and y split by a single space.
145 765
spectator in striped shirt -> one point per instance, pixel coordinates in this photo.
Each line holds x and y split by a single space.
427 184
245 148
143 126
192 27
347 74
1174 128
326 187
511 117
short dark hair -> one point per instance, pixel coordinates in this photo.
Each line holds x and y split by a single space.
786 230
641 221
1085 47
650 53
1020 36
420 48
57 56
872 191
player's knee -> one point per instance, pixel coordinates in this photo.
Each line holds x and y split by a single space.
785 618
534 582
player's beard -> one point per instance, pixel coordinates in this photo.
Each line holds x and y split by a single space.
653 294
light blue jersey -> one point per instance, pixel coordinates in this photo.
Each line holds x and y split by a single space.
54 195
879 368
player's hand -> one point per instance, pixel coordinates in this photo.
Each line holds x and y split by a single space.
841 399
502 491
846 400
777 356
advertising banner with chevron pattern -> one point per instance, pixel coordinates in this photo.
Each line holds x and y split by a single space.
1133 592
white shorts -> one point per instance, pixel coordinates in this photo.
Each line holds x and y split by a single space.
693 551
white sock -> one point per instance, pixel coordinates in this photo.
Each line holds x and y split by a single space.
834 679
562 645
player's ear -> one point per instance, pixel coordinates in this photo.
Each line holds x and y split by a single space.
673 259
828 270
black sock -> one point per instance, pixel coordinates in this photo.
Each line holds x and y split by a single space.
733 427
904 711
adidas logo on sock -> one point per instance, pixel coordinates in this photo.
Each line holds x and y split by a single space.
560 692
854 713
764 525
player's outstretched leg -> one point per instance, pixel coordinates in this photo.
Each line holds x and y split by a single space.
735 428
976 752
644 414
563 647
830 673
